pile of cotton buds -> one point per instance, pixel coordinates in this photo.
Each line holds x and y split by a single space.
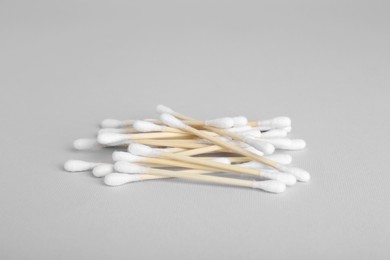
178 146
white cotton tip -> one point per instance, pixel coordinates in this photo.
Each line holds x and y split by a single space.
102 170
143 150
252 165
223 122
277 122
240 129
285 178
299 173
251 133
274 133
172 121
127 157
280 158
265 147
111 123
254 150
127 167
78 166
145 127
113 130
287 144
116 179
297 144
287 129
280 143
111 138
270 186
239 121
85 144
223 160
161 109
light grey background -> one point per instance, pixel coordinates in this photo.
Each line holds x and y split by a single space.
66 65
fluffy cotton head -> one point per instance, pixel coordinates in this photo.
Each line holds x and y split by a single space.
270 186
287 144
78 166
280 158
240 129
112 138
266 148
223 122
116 179
172 121
127 167
252 165
277 122
239 121
127 157
280 143
285 178
111 123
85 144
113 130
223 160
297 144
299 173
161 109
102 170
254 133
144 126
274 133
287 129
143 150
254 150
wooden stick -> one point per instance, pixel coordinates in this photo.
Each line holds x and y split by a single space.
146 177
172 143
164 162
203 178
203 150
158 135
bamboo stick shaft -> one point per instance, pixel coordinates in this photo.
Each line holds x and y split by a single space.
203 150
171 143
174 163
203 178
157 135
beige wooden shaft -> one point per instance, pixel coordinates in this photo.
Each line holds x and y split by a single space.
156 135
175 163
231 159
203 178
197 151
145 177
171 143
175 150
168 129
212 164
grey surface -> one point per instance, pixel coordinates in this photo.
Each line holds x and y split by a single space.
65 65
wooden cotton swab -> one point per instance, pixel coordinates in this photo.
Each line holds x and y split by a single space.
269 186
131 158
114 138
300 174
146 151
116 179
